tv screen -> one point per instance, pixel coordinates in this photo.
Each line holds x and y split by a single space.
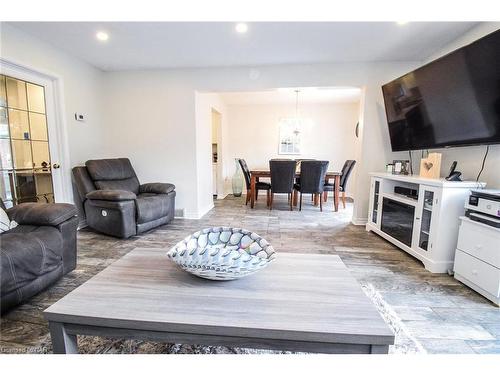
452 101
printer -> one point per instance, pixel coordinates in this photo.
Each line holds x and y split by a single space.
484 206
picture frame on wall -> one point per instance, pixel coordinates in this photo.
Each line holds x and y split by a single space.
290 137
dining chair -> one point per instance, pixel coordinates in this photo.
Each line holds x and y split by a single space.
297 179
258 185
346 172
312 179
282 175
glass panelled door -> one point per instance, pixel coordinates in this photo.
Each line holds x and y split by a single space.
374 209
25 169
426 214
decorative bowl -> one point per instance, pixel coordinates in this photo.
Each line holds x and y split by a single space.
222 253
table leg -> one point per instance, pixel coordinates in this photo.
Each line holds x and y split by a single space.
252 190
62 342
295 195
316 200
336 193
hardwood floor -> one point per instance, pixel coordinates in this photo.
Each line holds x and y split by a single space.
441 313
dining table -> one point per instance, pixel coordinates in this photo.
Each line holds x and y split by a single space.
256 174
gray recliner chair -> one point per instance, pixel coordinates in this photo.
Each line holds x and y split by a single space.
114 201
38 252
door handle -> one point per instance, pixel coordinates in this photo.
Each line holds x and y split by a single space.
56 166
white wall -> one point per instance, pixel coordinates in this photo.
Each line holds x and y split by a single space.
253 133
151 117
82 90
205 102
470 158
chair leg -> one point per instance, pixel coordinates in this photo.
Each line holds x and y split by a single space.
343 198
268 197
256 194
290 201
325 196
300 203
320 203
271 203
247 199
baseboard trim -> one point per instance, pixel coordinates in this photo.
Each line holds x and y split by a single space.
196 215
359 220
190 215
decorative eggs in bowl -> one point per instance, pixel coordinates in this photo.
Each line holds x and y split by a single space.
222 253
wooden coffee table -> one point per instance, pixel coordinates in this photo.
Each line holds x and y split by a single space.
300 302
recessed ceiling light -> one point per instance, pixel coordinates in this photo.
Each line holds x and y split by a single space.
241 27
102 36
401 23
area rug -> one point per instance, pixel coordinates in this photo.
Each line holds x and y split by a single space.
405 343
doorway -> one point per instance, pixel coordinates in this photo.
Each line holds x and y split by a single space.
216 153
31 138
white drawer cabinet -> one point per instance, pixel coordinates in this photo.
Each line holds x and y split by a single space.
478 272
479 241
477 259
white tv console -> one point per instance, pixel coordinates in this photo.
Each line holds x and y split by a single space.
427 227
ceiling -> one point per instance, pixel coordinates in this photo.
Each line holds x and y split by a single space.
150 45
316 95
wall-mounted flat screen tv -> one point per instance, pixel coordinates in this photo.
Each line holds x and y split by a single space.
452 101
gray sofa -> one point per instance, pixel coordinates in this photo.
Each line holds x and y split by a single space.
114 201
38 252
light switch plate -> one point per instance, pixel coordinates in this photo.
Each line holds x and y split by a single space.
79 117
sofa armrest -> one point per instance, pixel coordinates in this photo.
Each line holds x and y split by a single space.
51 214
156 188
111 195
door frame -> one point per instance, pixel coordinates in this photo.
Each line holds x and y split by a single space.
56 122
220 164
